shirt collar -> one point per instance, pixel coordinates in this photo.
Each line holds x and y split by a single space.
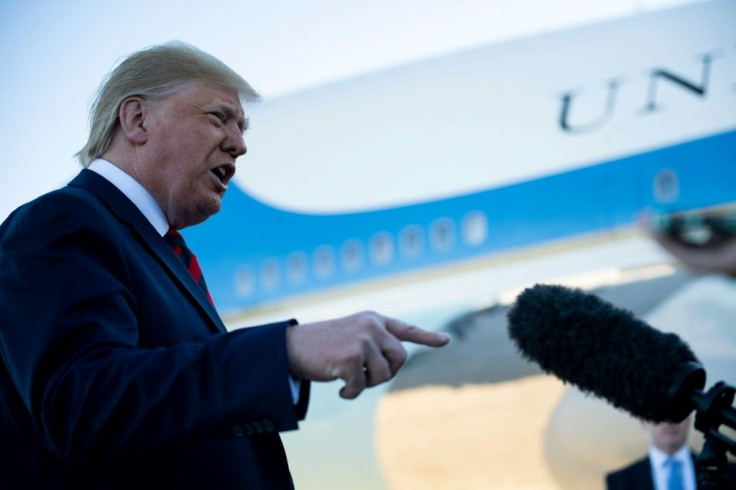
134 191
659 457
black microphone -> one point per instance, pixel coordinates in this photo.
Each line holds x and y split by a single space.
605 351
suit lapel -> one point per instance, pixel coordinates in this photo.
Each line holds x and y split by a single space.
647 481
129 215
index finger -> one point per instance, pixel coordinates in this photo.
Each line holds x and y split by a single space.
410 333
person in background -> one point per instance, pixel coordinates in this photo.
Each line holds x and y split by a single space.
669 464
116 370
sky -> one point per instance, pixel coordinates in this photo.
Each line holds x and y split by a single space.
54 54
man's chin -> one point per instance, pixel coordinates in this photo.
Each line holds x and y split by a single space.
200 214
210 209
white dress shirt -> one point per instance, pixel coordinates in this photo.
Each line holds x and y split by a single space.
148 206
660 471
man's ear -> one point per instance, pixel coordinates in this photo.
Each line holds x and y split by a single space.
132 115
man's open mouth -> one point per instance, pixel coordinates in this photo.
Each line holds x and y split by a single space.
223 173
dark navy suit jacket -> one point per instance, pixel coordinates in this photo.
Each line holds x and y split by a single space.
115 371
638 476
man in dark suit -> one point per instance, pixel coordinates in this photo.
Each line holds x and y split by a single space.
669 465
116 370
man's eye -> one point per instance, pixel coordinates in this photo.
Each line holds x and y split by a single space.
218 116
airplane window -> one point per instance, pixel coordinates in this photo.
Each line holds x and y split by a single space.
442 234
296 267
245 284
324 261
382 248
270 273
475 228
352 255
666 186
411 241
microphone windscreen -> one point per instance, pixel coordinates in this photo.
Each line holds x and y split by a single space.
602 349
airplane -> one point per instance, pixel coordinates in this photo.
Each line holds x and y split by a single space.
437 191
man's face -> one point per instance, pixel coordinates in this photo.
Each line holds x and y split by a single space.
668 437
194 138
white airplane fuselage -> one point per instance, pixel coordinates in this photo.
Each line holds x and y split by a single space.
432 188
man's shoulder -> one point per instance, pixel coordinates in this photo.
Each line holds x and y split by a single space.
67 196
67 208
58 201
638 467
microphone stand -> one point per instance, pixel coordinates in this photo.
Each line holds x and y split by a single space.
712 409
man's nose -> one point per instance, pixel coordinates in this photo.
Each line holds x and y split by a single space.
234 144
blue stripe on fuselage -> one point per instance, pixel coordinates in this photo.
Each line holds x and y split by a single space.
253 253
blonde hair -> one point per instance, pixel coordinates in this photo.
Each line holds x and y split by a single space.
153 73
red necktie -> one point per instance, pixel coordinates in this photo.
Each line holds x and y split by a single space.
177 244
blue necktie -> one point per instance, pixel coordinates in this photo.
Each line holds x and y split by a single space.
674 479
